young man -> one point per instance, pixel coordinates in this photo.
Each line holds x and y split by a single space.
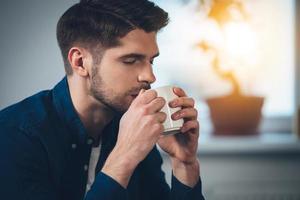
93 136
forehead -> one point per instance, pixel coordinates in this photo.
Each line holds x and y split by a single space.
136 41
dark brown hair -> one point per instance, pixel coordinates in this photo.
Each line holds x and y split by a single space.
100 23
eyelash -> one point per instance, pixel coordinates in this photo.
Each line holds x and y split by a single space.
134 61
129 62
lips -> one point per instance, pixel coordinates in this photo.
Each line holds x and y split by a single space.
136 91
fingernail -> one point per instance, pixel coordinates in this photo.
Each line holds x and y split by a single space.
177 88
176 116
181 114
174 103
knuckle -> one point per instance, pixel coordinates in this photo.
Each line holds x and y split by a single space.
148 121
158 128
145 110
163 116
151 119
161 128
196 124
196 112
162 100
192 102
190 124
155 128
153 93
179 101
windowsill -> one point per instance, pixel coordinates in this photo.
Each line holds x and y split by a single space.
265 143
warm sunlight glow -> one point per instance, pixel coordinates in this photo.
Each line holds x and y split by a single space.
240 41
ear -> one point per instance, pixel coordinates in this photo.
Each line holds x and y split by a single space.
79 61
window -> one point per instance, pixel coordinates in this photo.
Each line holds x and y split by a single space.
267 68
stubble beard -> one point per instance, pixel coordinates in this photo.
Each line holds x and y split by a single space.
105 95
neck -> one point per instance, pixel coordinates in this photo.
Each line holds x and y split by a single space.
93 114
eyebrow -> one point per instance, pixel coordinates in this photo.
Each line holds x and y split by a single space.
137 56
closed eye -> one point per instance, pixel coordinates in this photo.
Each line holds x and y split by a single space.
134 58
130 61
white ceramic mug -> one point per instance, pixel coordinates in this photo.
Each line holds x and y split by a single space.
170 126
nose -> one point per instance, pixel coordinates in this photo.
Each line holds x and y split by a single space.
147 75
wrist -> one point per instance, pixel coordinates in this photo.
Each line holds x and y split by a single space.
186 173
119 167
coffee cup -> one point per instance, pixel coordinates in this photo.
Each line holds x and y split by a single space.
170 126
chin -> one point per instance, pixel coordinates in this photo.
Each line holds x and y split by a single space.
124 105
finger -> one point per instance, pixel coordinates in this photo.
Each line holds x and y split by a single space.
147 96
179 92
160 117
156 105
190 125
182 102
141 92
186 113
159 128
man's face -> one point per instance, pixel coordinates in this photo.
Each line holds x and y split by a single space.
125 70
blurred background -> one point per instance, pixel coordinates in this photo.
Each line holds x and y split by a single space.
239 59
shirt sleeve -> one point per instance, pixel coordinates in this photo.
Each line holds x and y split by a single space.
180 191
155 186
153 183
106 188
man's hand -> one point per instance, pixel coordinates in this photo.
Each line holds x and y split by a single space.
140 128
182 147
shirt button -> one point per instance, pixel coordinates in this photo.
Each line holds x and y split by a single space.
86 167
89 141
74 146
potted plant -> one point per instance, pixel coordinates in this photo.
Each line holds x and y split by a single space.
235 113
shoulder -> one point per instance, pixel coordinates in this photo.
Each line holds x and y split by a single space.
31 122
29 129
28 113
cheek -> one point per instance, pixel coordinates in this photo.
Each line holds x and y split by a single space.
120 81
122 76
117 76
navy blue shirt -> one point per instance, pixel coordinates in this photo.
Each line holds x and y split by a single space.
45 150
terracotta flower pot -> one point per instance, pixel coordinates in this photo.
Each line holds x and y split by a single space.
235 114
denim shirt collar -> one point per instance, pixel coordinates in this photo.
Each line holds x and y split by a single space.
66 111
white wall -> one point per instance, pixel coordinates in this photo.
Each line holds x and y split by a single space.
30 57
